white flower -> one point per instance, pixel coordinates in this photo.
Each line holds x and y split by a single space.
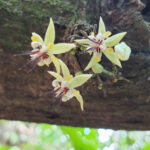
123 51
62 90
39 53
47 48
44 50
64 86
101 43
97 44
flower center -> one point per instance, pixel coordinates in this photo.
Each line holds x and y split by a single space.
100 42
39 47
65 90
61 90
45 55
50 46
96 44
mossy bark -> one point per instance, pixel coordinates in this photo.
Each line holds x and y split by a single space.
121 105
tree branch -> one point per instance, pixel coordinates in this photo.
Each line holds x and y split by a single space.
22 96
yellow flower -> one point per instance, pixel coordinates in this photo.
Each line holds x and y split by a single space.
64 86
44 50
102 43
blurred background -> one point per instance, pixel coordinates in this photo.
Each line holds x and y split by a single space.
16 135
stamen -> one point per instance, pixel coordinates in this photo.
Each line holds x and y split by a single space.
92 40
28 62
27 53
98 50
45 55
60 95
99 42
87 50
63 92
66 90
39 47
35 63
36 60
52 92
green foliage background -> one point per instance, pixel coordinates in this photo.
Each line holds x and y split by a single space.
31 136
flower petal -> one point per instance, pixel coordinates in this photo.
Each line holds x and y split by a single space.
83 41
56 64
65 70
65 98
56 75
79 98
93 61
50 33
110 54
101 28
35 45
68 96
55 83
115 39
79 80
92 34
47 61
61 48
97 68
41 62
36 38
107 34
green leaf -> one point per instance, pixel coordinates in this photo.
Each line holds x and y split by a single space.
79 80
50 33
80 140
147 146
115 39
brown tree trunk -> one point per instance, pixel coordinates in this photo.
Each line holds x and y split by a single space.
121 105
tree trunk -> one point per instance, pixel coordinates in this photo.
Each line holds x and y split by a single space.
121 105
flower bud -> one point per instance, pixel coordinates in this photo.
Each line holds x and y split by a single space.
123 51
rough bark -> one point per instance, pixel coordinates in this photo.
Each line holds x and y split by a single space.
126 105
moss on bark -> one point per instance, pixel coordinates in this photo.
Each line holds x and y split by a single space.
21 17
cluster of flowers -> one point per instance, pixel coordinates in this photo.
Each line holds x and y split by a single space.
44 52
